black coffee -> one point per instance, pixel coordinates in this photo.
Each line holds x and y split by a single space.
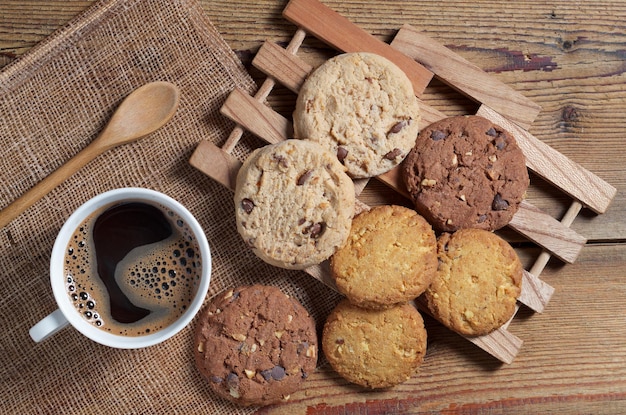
132 268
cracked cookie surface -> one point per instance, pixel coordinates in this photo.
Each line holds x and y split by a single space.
374 348
361 107
255 345
294 203
466 172
390 257
477 284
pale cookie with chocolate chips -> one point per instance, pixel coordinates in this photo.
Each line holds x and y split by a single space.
466 172
374 348
477 283
255 345
294 203
390 257
361 107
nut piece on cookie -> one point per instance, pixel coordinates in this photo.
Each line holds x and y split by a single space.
390 257
294 203
361 107
477 283
466 172
374 348
255 345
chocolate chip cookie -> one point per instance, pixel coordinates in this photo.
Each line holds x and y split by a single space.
294 203
374 348
466 172
390 257
477 283
361 107
255 345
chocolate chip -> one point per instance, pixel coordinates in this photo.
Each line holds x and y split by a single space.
492 132
304 374
216 379
482 218
278 372
247 205
397 127
499 203
317 229
393 154
302 347
281 160
301 221
500 143
232 380
267 374
342 153
437 135
304 177
340 341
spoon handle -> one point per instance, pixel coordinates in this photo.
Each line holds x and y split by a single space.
44 187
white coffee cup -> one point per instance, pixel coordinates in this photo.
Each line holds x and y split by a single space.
67 313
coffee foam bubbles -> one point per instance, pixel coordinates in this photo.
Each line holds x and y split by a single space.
161 277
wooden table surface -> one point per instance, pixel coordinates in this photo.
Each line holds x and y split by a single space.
567 56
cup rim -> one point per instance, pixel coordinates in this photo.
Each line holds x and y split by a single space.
57 268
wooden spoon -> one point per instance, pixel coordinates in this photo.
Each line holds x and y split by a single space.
142 112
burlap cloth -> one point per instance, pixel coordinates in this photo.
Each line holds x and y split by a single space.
53 102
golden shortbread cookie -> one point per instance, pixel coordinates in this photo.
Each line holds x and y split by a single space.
477 284
361 107
390 257
374 348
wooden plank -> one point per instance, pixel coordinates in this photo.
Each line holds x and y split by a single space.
277 62
256 117
340 33
536 293
466 77
572 178
545 231
216 163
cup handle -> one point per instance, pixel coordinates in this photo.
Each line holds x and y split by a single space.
48 326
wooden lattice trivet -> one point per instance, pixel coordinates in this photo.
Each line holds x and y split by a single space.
414 52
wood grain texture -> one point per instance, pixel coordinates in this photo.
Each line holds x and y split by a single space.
567 57
466 77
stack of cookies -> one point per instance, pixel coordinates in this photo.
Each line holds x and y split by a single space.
356 116
467 176
375 338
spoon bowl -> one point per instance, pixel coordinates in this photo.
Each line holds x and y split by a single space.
142 112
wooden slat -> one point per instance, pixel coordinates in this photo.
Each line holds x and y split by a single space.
536 293
466 77
500 343
340 33
256 117
216 163
546 231
277 62
572 178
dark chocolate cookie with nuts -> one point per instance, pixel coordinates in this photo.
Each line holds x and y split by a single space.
255 345
466 172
